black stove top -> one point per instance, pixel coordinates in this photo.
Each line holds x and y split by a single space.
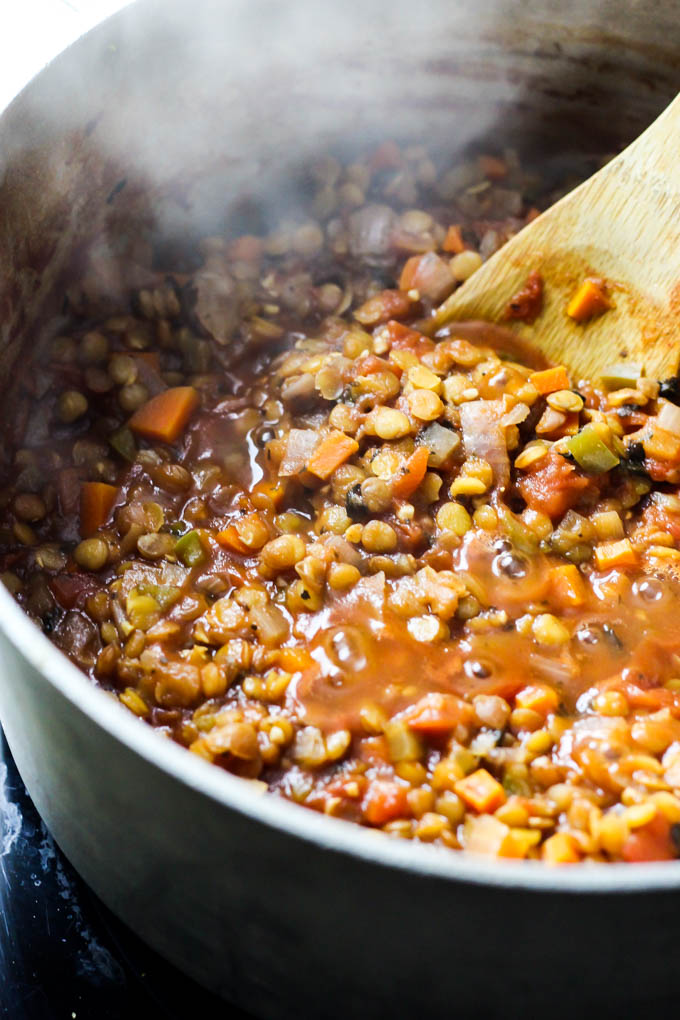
63 955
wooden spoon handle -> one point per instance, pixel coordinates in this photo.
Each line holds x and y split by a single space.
622 225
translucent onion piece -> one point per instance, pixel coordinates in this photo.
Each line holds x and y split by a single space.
483 437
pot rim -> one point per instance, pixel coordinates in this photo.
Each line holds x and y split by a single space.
231 792
331 834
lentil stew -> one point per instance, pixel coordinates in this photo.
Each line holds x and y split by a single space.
426 585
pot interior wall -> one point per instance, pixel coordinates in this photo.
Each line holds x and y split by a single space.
161 122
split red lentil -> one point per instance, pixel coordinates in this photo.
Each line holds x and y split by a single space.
420 584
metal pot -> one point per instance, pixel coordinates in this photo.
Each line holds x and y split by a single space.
155 118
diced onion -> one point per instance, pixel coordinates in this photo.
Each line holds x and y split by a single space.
440 441
483 437
300 447
669 417
370 231
516 415
557 671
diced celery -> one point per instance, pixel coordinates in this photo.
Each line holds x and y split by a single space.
590 452
626 373
165 594
514 527
189 549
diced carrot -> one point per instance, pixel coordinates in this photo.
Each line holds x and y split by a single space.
374 750
268 493
539 698
294 660
384 801
493 167
567 586
481 791
246 248
550 379
166 415
331 452
96 503
615 554
412 474
518 842
589 300
409 272
437 714
651 842
453 242
533 214
560 849
659 443
229 539
653 698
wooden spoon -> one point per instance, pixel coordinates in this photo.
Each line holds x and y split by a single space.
622 226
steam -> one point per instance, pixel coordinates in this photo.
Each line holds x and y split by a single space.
163 119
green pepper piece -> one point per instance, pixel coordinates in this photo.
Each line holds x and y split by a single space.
189 549
626 373
123 442
516 530
590 452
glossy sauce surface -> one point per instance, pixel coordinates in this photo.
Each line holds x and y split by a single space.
427 585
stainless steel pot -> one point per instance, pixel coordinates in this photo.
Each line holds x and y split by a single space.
154 120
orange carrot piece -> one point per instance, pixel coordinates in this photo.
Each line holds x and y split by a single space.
406 483
384 801
294 660
568 589
539 698
550 379
481 791
615 554
437 714
651 842
229 539
589 300
409 273
166 415
270 493
533 214
96 503
560 849
374 750
453 242
331 452
493 167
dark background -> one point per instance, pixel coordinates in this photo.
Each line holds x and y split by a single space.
63 955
